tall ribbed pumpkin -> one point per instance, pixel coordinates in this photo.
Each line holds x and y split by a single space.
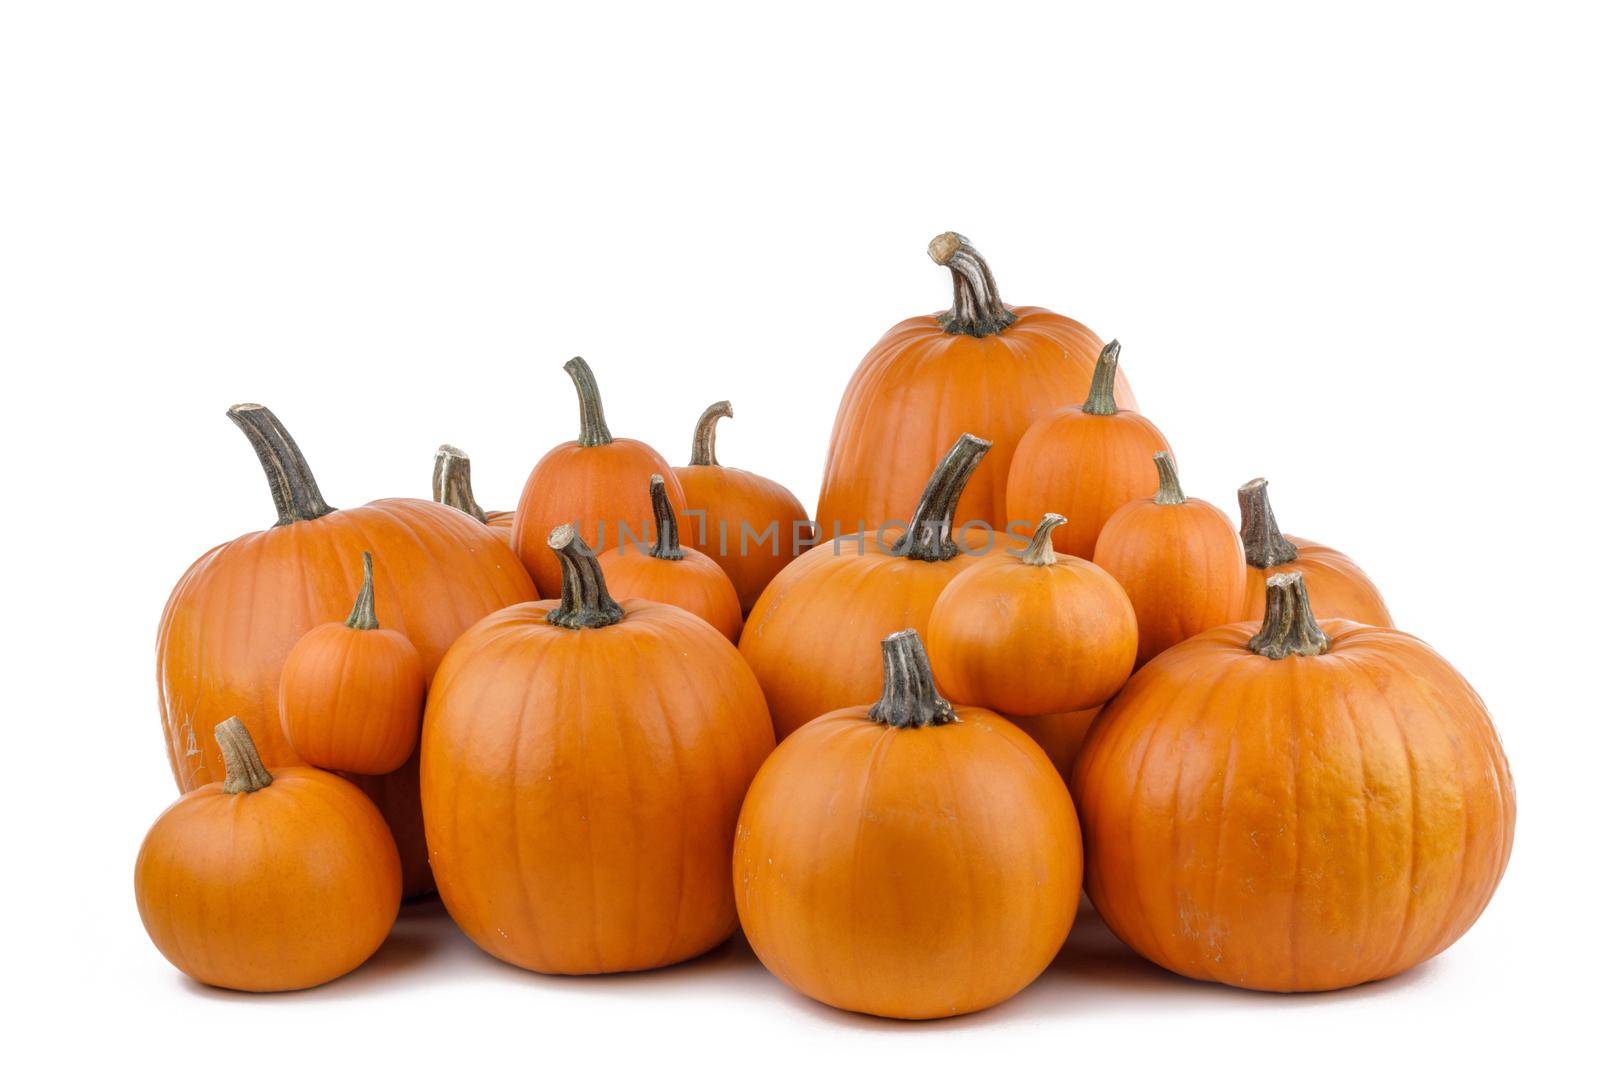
983 367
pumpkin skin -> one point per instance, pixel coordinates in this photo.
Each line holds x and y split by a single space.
731 510
1084 462
811 638
233 617
580 786
668 573
983 367
1179 561
1339 588
1061 736
912 871
1032 634
1304 823
350 698
287 884
452 485
592 482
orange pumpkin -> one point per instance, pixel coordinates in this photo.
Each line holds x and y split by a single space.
267 881
982 367
1340 589
1179 560
907 859
236 613
1061 736
811 637
1033 634
668 573
592 482
1298 808
351 694
752 526
452 485
583 762
1084 462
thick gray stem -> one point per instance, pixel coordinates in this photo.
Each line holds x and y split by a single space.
1168 491
909 697
1290 627
1102 398
1040 552
976 309
294 488
585 603
704 451
244 771
452 481
1264 545
667 545
592 428
929 537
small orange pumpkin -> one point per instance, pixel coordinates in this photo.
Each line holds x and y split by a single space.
1340 589
1033 634
592 482
668 573
751 526
452 485
1301 807
267 881
1084 462
907 859
351 694
1179 560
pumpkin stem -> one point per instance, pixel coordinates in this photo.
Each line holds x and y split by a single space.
294 488
1290 628
1264 545
245 773
363 616
452 481
592 428
1168 491
667 545
976 309
909 696
1040 552
929 536
704 451
1102 399
585 603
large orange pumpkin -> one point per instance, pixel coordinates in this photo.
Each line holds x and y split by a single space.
1179 560
1084 462
592 482
452 485
583 762
982 367
1033 634
1340 589
812 637
236 613
752 526
907 859
1304 807
267 881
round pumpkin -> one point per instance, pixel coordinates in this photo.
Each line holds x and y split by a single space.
267 881
1297 808
1084 462
592 482
583 762
236 613
1060 735
812 635
750 525
668 573
1032 633
452 485
1178 559
351 694
907 859
982 367
1339 588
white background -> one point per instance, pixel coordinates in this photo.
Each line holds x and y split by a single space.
1350 250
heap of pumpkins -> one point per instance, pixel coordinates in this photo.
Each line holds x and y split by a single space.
1010 659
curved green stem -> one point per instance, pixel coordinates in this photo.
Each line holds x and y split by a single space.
592 428
929 536
363 616
452 481
1264 545
1290 627
585 602
1168 491
704 451
909 697
1040 551
243 770
294 487
976 309
667 545
1102 399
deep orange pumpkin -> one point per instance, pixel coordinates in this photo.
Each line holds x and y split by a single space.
583 762
1179 560
267 881
1339 588
452 485
982 367
909 859
236 613
1298 808
1061 736
751 526
592 482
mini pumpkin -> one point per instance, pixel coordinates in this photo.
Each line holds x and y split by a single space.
452 485
908 859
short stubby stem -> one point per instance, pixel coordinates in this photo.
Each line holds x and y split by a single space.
976 309
929 537
452 481
1102 399
703 453
909 697
1040 551
1168 491
667 545
1290 628
243 770
1264 545
585 602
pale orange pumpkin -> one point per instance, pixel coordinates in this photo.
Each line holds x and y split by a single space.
1340 589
